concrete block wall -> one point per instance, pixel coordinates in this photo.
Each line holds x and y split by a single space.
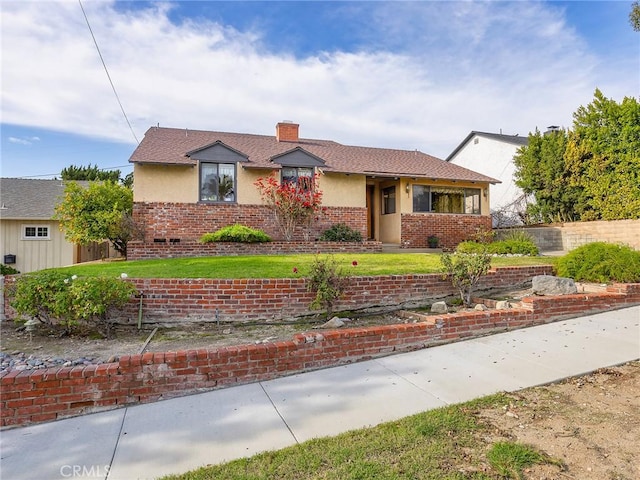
567 236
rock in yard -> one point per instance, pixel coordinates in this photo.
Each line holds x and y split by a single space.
335 322
439 307
502 305
550 285
480 307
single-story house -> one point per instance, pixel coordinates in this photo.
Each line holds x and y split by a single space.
492 154
30 239
189 182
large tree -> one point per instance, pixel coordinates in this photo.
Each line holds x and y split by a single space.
541 173
589 173
102 211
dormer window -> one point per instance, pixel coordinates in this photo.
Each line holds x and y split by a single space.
217 182
302 177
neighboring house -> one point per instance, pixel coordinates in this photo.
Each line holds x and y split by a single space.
492 154
30 239
189 182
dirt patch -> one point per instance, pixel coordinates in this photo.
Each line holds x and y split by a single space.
27 349
591 423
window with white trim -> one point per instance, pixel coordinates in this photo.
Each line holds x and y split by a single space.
35 232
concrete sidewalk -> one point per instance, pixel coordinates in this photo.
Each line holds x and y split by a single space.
174 436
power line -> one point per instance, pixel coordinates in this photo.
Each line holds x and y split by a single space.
107 72
58 174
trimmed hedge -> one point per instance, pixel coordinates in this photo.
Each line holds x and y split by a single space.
236 233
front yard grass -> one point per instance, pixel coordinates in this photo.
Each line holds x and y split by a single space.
446 443
280 266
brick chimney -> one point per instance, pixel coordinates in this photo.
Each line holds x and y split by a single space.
287 131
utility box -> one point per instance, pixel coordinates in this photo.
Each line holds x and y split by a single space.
9 259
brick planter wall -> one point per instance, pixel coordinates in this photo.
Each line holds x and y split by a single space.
184 300
449 228
191 248
50 394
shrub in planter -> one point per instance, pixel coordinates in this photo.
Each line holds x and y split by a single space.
328 282
62 302
341 232
236 233
465 270
601 262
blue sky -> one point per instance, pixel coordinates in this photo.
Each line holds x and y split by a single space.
385 74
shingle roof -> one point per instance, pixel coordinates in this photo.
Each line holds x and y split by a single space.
170 145
29 199
514 139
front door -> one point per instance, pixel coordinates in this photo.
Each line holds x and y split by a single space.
371 191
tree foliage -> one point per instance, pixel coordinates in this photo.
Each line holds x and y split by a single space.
634 16
102 211
89 172
293 204
465 271
589 173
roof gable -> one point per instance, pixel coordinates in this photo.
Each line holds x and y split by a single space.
298 157
218 152
499 137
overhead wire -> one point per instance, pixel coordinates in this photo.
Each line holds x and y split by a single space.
95 42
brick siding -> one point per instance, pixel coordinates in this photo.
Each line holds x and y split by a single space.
451 229
189 221
51 394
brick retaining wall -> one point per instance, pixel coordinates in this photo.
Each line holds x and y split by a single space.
51 394
170 248
183 300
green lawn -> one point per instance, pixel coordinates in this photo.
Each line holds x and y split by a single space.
447 443
278 266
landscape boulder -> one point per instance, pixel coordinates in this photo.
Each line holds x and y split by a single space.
439 307
550 285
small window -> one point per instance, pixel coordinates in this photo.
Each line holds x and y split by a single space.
388 200
302 177
421 198
217 182
35 232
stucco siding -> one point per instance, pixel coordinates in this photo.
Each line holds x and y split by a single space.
165 183
34 255
339 190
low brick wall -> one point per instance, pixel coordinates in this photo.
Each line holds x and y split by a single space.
171 248
51 394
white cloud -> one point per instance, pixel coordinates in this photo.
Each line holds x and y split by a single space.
23 140
431 72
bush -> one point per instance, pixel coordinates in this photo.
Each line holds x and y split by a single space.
341 232
62 302
236 233
601 262
502 247
328 281
465 270
7 270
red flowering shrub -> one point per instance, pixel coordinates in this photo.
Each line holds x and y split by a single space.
293 204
